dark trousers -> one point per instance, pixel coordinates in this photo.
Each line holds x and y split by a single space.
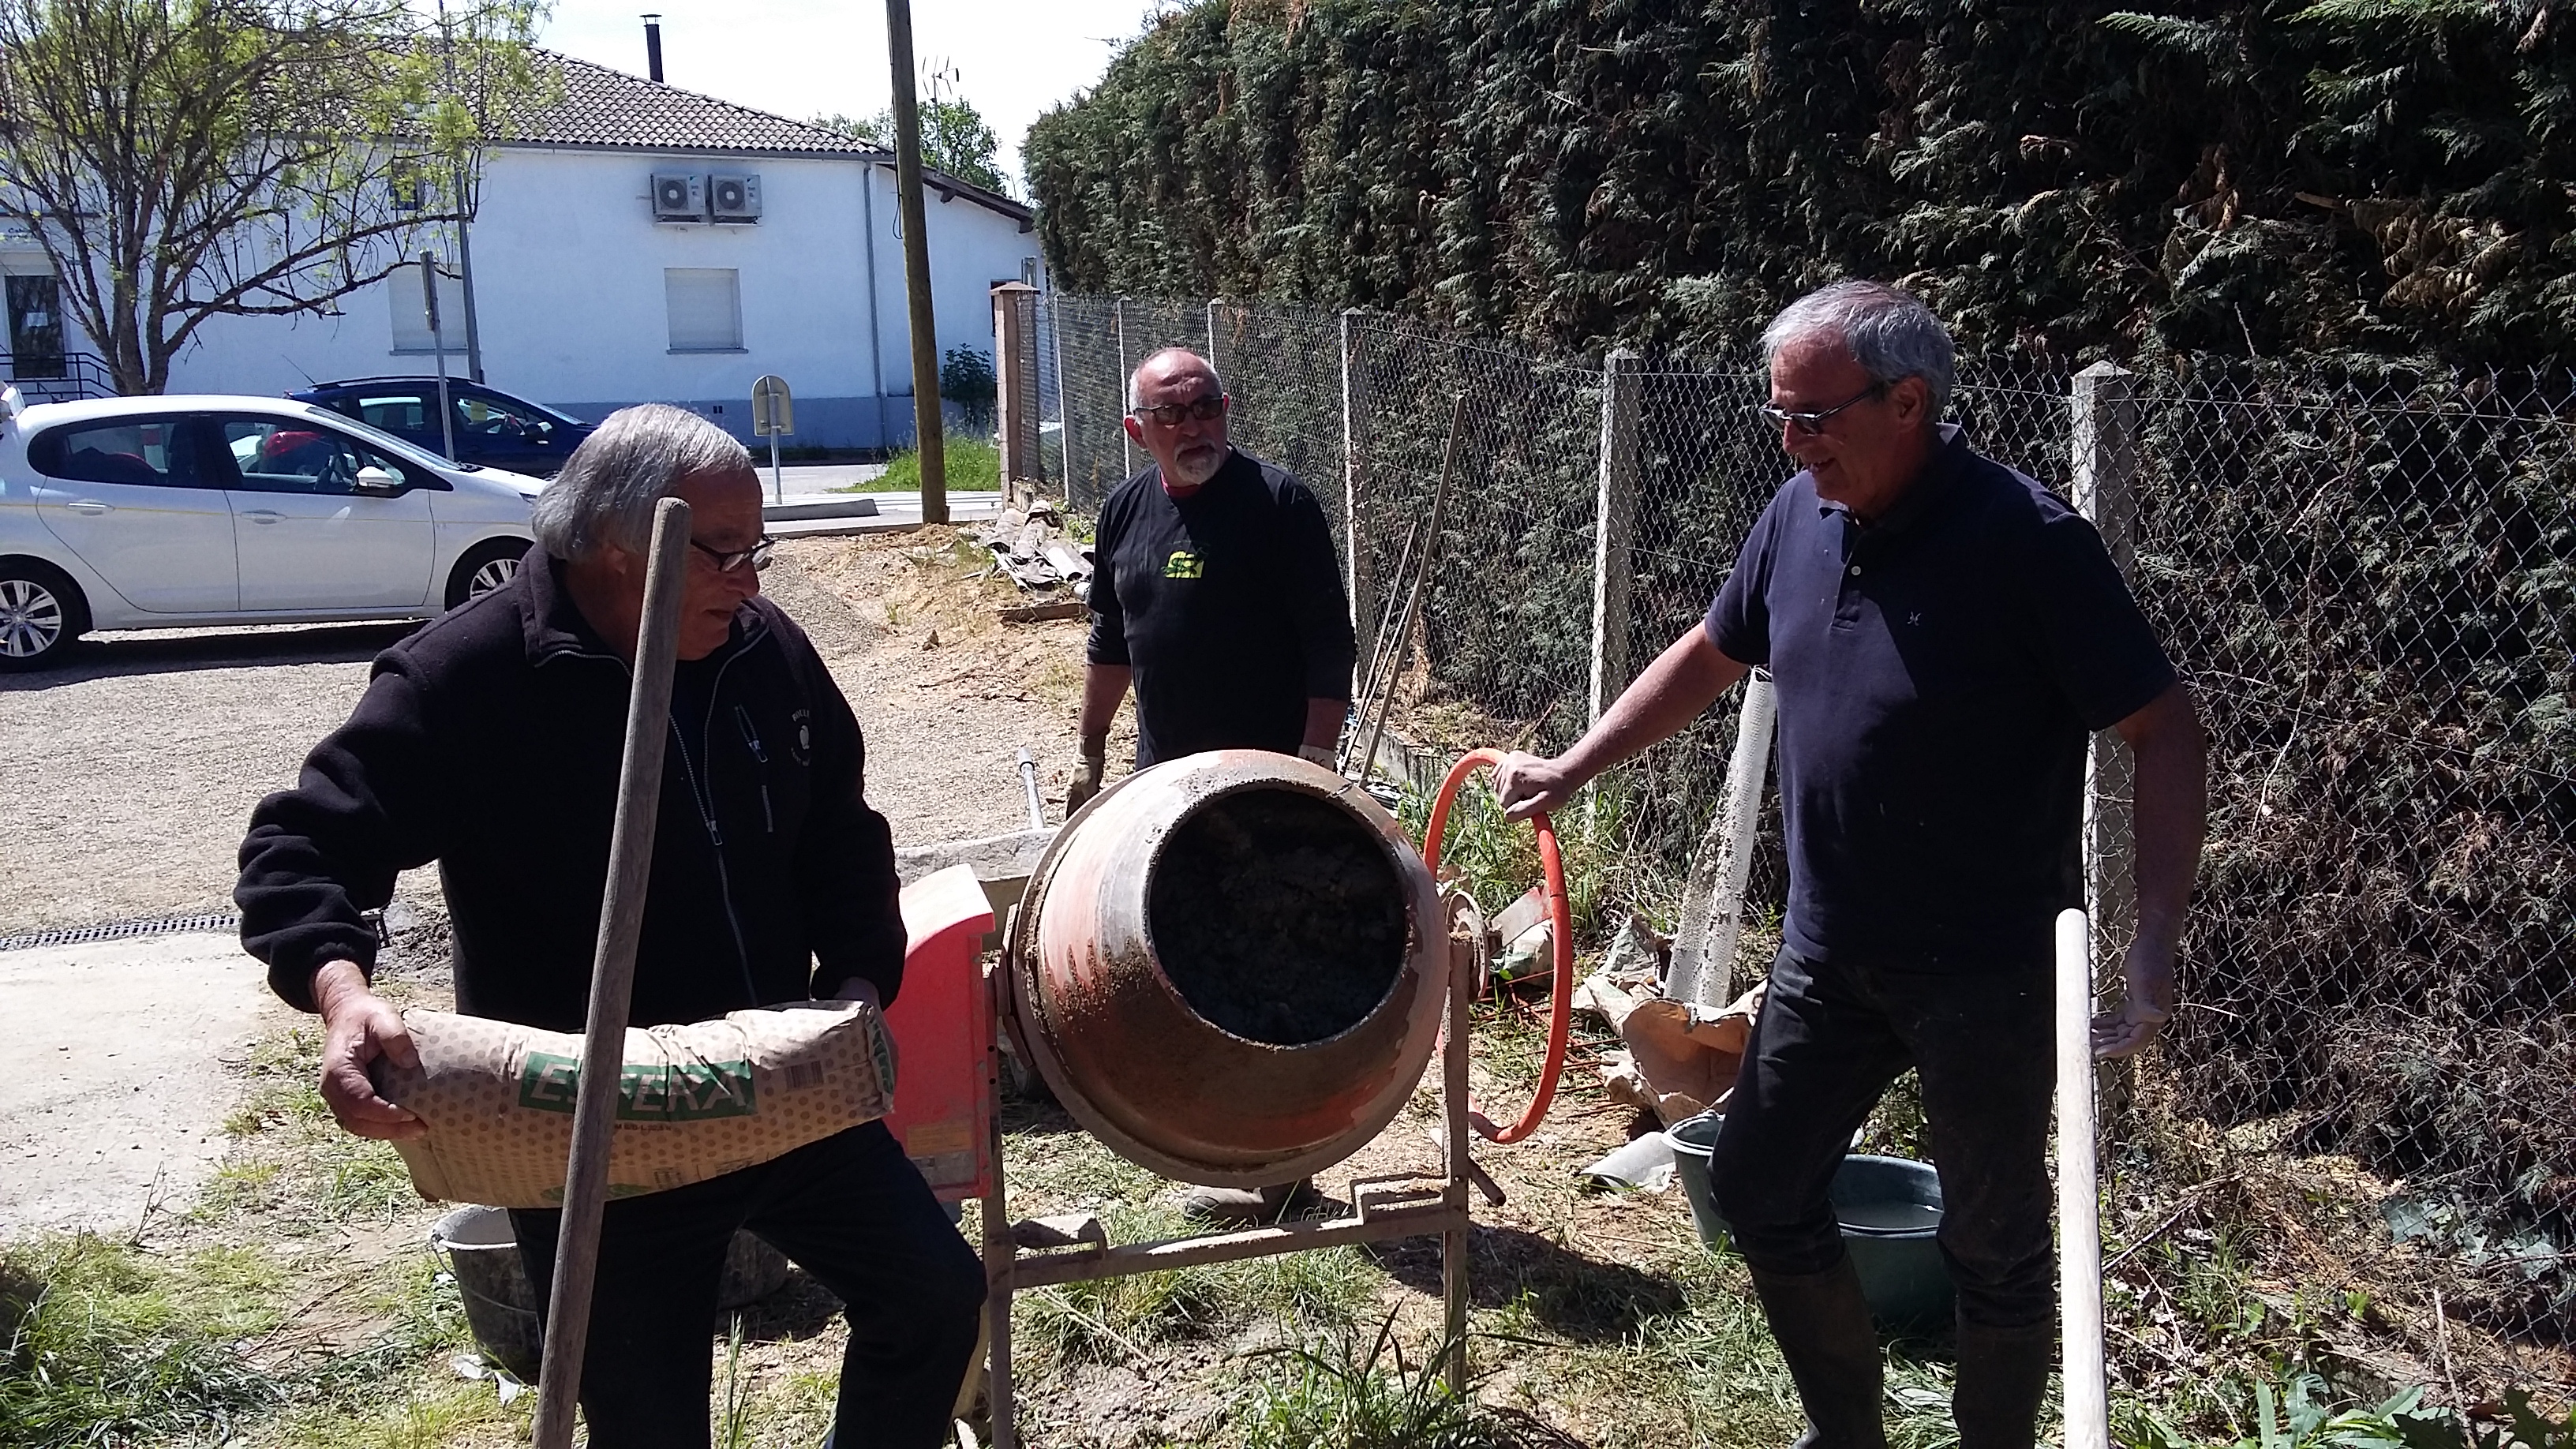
852 1211
1830 1039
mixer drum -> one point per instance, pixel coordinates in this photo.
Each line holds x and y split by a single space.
1230 968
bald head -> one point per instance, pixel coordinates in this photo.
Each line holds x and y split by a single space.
1176 411
1171 365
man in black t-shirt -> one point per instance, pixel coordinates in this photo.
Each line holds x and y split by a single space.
1944 634
1216 592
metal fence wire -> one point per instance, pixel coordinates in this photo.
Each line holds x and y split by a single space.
2366 575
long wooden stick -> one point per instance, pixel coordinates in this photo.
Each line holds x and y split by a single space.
2079 1208
612 975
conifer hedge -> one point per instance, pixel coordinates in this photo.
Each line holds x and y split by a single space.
2390 177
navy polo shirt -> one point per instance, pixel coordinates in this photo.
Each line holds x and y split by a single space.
1938 672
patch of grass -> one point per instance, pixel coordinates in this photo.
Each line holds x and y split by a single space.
1497 860
285 1068
1118 1320
1338 1397
427 1410
100 1343
971 465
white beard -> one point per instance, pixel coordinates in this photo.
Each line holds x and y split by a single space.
1193 473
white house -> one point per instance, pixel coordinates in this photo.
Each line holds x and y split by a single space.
591 292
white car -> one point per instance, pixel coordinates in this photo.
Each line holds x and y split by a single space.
183 512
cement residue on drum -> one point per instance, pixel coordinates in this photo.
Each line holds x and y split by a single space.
1277 916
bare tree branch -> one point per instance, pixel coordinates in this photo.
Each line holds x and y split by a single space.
180 160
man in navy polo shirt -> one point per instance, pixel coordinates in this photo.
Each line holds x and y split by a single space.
1944 633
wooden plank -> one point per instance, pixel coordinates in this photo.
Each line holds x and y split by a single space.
1039 613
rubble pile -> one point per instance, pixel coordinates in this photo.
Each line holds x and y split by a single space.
1032 549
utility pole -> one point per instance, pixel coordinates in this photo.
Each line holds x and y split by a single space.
916 266
464 207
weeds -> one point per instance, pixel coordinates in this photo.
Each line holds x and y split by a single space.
1350 1400
968 463
1118 1320
105 1345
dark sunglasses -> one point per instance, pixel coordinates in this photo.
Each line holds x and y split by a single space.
1202 410
1814 423
757 555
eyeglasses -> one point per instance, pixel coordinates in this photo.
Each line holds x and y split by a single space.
1812 424
1202 410
727 561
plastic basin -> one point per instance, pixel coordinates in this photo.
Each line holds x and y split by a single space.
501 1308
1889 1209
1890 1212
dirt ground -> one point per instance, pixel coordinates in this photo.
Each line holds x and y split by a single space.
131 774
135 772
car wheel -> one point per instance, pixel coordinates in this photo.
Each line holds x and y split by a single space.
41 614
485 567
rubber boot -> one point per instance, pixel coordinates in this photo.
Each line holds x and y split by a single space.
1823 1327
2003 1374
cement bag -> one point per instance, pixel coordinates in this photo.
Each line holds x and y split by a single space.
693 1102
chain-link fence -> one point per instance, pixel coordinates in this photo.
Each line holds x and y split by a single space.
2368 577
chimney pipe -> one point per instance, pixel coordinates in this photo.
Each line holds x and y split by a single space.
653 47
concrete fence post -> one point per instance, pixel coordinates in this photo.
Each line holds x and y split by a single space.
1357 573
1213 304
1615 527
2105 417
1015 392
1126 445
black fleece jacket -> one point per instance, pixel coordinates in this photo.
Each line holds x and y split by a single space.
489 742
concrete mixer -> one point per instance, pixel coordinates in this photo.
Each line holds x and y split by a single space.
1233 969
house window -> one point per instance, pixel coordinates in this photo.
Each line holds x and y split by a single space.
411 309
402 179
706 308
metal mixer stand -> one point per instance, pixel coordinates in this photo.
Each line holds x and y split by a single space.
1038 1253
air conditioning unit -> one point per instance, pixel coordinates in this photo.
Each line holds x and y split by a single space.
735 198
678 197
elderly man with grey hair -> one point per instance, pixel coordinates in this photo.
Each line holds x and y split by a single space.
1944 634
489 742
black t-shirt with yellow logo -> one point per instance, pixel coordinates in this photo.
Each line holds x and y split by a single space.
1228 603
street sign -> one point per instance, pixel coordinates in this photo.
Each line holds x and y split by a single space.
773 411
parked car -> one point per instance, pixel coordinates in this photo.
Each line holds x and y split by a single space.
492 427
182 512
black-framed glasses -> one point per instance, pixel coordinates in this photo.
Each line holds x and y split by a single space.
728 560
1198 410
1813 423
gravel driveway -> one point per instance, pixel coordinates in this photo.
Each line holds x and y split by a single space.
130 775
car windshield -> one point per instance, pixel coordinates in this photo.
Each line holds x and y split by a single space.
566 419
397 446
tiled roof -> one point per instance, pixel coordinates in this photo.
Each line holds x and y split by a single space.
603 107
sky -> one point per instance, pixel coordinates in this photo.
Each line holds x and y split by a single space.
801 58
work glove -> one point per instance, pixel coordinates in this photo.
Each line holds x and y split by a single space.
1086 780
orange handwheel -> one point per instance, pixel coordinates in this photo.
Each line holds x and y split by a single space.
1560 922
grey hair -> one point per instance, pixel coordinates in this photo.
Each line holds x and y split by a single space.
1135 401
1887 330
636 457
